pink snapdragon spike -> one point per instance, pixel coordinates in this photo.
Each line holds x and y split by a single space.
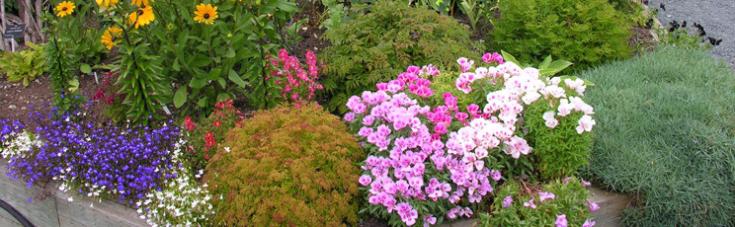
414 141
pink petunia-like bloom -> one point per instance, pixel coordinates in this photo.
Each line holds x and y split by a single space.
543 196
365 180
592 206
465 64
530 204
507 201
586 183
429 220
561 221
407 213
585 124
589 223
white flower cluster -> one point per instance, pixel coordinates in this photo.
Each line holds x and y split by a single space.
183 202
18 145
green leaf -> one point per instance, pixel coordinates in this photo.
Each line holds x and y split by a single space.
230 53
73 85
86 69
545 63
508 57
236 79
555 67
180 96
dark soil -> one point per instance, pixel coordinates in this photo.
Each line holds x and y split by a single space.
18 102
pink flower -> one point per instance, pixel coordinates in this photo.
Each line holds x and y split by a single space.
543 196
585 124
586 183
561 221
496 175
551 121
365 180
592 206
517 146
530 204
589 223
407 213
494 57
465 64
429 220
349 117
507 201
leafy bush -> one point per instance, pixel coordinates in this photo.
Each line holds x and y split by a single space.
375 46
517 203
207 52
210 131
666 133
24 66
584 32
561 151
286 166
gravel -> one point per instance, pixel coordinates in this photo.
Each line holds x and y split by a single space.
716 16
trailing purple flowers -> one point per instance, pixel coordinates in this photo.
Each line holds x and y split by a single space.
126 162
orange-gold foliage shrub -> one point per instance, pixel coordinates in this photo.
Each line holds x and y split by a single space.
286 167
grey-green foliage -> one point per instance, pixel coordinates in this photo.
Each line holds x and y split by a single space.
665 130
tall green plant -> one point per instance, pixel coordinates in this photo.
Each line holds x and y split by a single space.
584 32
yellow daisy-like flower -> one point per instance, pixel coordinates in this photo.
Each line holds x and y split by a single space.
64 8
104 4
109 37
142 17
141 3
205 14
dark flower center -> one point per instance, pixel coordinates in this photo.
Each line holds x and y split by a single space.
206 16
140 12
64 9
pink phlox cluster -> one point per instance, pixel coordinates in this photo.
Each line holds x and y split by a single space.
297 84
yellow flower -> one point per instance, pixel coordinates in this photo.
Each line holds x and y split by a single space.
104 4
64 8
205 14
141 3
109 37
142 17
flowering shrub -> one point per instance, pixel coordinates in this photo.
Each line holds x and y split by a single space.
286 167
204 136
96 161
560 203
181 202
296 84
430 162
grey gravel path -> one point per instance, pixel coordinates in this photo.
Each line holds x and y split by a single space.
716 16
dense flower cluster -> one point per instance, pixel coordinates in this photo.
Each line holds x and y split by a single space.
126 162
297 84
183 202
438 153
15 141
410 154
204 136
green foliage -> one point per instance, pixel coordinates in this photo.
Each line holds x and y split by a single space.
287 167
570 200
681 38
376 46
24 66
217 124
584 32
666 123
561 151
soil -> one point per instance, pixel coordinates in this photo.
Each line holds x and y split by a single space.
18 102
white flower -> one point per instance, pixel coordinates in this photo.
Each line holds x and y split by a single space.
551 121
585 124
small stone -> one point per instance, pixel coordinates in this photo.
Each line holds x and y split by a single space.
12 107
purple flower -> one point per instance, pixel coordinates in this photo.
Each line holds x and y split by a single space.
589 223
429 220
507 201
561 221
407 213
530 204
496 175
